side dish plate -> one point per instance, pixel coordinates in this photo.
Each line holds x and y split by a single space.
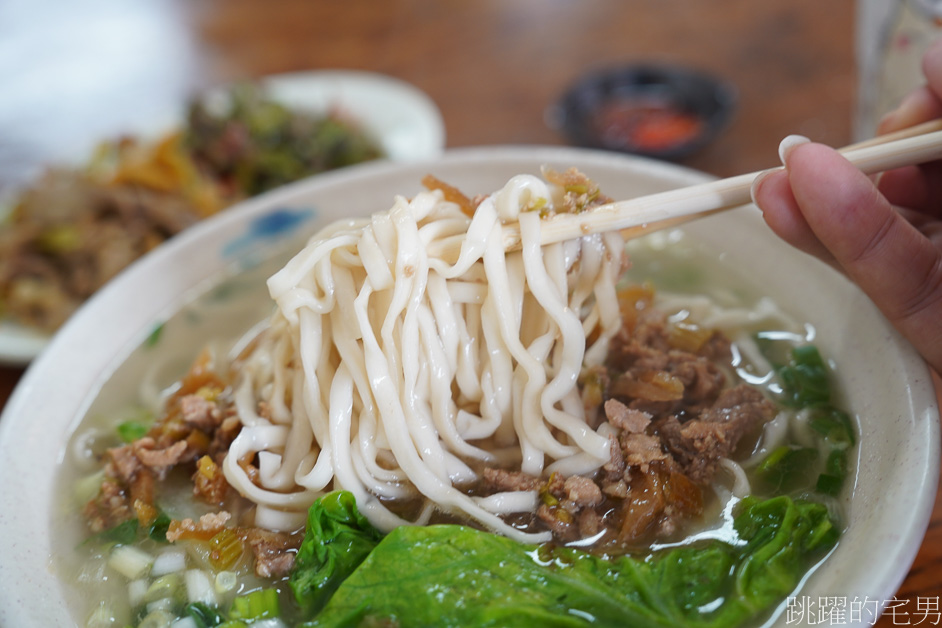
403 119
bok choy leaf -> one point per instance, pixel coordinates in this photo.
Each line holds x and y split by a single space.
449 575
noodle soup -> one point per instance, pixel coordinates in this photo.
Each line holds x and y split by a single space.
702 419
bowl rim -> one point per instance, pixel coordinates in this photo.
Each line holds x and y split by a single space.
61 353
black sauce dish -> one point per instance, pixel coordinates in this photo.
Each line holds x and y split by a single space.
662 111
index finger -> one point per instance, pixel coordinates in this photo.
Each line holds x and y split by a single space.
898 267
922 104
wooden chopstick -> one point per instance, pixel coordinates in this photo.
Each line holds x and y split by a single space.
646 214
649 213
919 129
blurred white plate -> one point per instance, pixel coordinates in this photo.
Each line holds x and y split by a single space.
403 119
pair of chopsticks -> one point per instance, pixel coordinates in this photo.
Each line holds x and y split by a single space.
637 216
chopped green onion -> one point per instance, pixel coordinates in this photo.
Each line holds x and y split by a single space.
130 561
164 587
169 561
157 619
259 604
199 587
137 589
226 581
161 604
132 430
86 488
101 617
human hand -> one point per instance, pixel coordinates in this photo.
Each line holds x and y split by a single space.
886 235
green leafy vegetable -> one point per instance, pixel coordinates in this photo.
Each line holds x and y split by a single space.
448 575
787 469
831 481
780 535
805 379
337 539
276 144
157 530
124 533
806 385
833 424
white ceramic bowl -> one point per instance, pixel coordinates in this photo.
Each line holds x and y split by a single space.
888 388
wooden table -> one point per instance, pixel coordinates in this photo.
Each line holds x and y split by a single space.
71 74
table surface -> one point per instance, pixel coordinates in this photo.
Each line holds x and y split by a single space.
72 73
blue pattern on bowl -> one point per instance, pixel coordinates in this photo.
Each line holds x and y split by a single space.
276 225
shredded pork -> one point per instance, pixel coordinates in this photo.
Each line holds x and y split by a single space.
675 415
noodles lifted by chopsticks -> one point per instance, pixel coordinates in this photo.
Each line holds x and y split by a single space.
393 374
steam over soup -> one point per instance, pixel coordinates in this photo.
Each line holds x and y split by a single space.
542 437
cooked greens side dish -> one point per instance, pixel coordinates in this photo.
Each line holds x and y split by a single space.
257 144
75 228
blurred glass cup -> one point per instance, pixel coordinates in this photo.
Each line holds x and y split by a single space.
891 37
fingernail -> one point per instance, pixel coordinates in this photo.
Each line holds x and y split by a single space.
907 113
789 144
886 123
762 176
